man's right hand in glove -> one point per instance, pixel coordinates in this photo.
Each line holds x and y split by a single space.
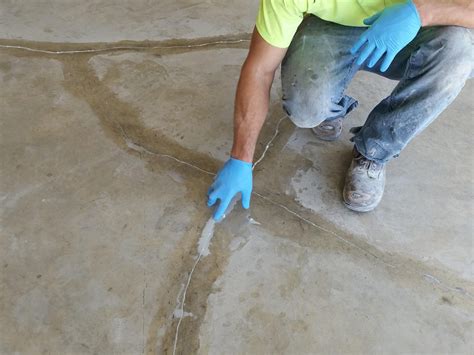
234 177
251 107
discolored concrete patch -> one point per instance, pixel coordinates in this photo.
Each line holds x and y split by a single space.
193 108
278 296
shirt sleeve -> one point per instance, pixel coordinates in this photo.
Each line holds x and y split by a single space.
277 21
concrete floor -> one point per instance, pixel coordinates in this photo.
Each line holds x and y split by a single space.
105 161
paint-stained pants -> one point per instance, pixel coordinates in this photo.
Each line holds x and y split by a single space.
431 72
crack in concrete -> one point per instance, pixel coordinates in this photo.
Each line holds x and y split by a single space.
122 48
434 280
267 146
211 221
183 300
344 240
182 44
141 149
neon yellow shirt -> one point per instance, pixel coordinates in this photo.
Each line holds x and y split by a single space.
278 20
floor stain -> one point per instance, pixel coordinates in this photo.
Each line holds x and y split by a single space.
118 118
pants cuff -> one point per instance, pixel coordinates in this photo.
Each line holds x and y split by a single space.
372 150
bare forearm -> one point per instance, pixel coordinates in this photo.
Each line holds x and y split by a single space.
251 107
446 12
253 95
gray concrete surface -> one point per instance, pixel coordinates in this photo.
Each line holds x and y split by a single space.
112 20
105 161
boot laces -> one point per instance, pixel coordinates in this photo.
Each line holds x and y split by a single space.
367 164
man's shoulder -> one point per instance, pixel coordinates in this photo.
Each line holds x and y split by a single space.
278 20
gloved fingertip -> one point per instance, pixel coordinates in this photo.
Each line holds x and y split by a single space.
386 64
218 215
358 45
246 201
220 210
355 48
373 62
210 202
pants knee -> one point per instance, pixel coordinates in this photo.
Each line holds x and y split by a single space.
449 52
305 115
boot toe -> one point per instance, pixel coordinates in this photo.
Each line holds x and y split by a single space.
360 201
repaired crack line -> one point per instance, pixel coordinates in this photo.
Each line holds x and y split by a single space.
175 344
275 134
141 149
205 230
124 48
344 240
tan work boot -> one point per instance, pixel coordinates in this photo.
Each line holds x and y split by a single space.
329 130
365 183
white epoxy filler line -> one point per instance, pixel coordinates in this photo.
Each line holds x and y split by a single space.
203 247
275 134
206 236
122 48
140 149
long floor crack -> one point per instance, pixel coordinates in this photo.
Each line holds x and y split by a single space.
166 45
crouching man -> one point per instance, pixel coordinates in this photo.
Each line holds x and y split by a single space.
424 44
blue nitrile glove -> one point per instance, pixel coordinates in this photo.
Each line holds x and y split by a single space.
234 177
390 31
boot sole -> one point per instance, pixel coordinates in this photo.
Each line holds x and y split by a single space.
361 209
326 139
